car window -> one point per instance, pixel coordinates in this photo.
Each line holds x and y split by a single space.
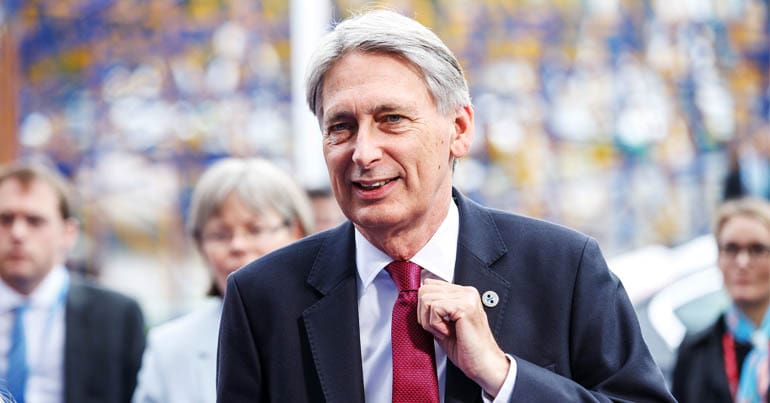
699 313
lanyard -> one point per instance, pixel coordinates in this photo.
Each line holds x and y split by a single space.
731 363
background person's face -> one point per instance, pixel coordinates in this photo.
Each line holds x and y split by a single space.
747 280
387 148
237 236
33 235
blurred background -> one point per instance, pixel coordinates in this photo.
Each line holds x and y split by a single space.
621 118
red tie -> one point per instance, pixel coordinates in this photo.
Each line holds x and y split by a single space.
414 364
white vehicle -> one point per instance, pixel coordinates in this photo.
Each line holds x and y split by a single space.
675 291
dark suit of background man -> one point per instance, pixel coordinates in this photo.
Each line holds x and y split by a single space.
519 309
82 343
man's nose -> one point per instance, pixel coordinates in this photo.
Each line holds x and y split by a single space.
367 147
19 228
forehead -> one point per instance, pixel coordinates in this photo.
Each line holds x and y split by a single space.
371 80
35 196
235 209
744 226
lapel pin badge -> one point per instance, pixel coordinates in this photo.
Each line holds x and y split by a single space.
490 299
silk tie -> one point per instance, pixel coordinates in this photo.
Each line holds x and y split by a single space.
414 364
17 356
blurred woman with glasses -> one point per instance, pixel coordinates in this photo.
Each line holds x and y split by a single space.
241 209
728 362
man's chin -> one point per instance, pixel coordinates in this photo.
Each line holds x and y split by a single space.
373 218
17 270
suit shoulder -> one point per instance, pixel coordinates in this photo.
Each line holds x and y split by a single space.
521 226
697 340
197 327
299 256
87 289
200 319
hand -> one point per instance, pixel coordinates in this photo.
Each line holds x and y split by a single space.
453 314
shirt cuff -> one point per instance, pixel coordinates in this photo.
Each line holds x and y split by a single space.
506 391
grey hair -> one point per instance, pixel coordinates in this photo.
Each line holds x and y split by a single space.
387 32
260 185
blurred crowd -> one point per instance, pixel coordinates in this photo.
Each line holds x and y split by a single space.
624 119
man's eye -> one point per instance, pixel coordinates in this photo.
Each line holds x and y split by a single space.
35 221
393 118
337 127
338 132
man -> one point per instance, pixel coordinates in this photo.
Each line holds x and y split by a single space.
326 211
518 309
61 339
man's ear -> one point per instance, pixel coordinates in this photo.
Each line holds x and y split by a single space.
71 233
462 131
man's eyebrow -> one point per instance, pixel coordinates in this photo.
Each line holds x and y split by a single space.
342 115
378 109
385 108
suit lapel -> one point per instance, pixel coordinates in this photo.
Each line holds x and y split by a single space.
479 246
332 322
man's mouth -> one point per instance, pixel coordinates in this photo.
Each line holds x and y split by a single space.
373 185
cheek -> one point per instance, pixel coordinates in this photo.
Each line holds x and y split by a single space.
282 239
217 260
763 279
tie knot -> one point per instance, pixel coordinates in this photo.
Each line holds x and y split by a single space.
20 308
405 274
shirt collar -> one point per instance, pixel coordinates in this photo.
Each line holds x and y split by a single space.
45 294
437 256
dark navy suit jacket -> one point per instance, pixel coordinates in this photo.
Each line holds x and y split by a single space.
289 329
103 344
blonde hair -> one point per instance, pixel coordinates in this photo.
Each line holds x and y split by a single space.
758 209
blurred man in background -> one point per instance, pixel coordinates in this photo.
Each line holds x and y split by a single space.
326 211
62 340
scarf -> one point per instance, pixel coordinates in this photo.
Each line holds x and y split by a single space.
754 380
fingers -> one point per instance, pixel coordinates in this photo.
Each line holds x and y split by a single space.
441 305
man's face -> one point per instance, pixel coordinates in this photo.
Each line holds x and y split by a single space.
33 235
387 148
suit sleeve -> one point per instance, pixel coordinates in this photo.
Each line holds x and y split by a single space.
134 347
238 365
609 360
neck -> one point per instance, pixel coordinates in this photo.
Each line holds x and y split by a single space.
24 288
755 312
403 243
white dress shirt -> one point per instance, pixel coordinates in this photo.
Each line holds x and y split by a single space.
44 331
376 295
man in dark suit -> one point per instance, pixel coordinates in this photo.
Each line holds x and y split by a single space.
61 338
514 309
